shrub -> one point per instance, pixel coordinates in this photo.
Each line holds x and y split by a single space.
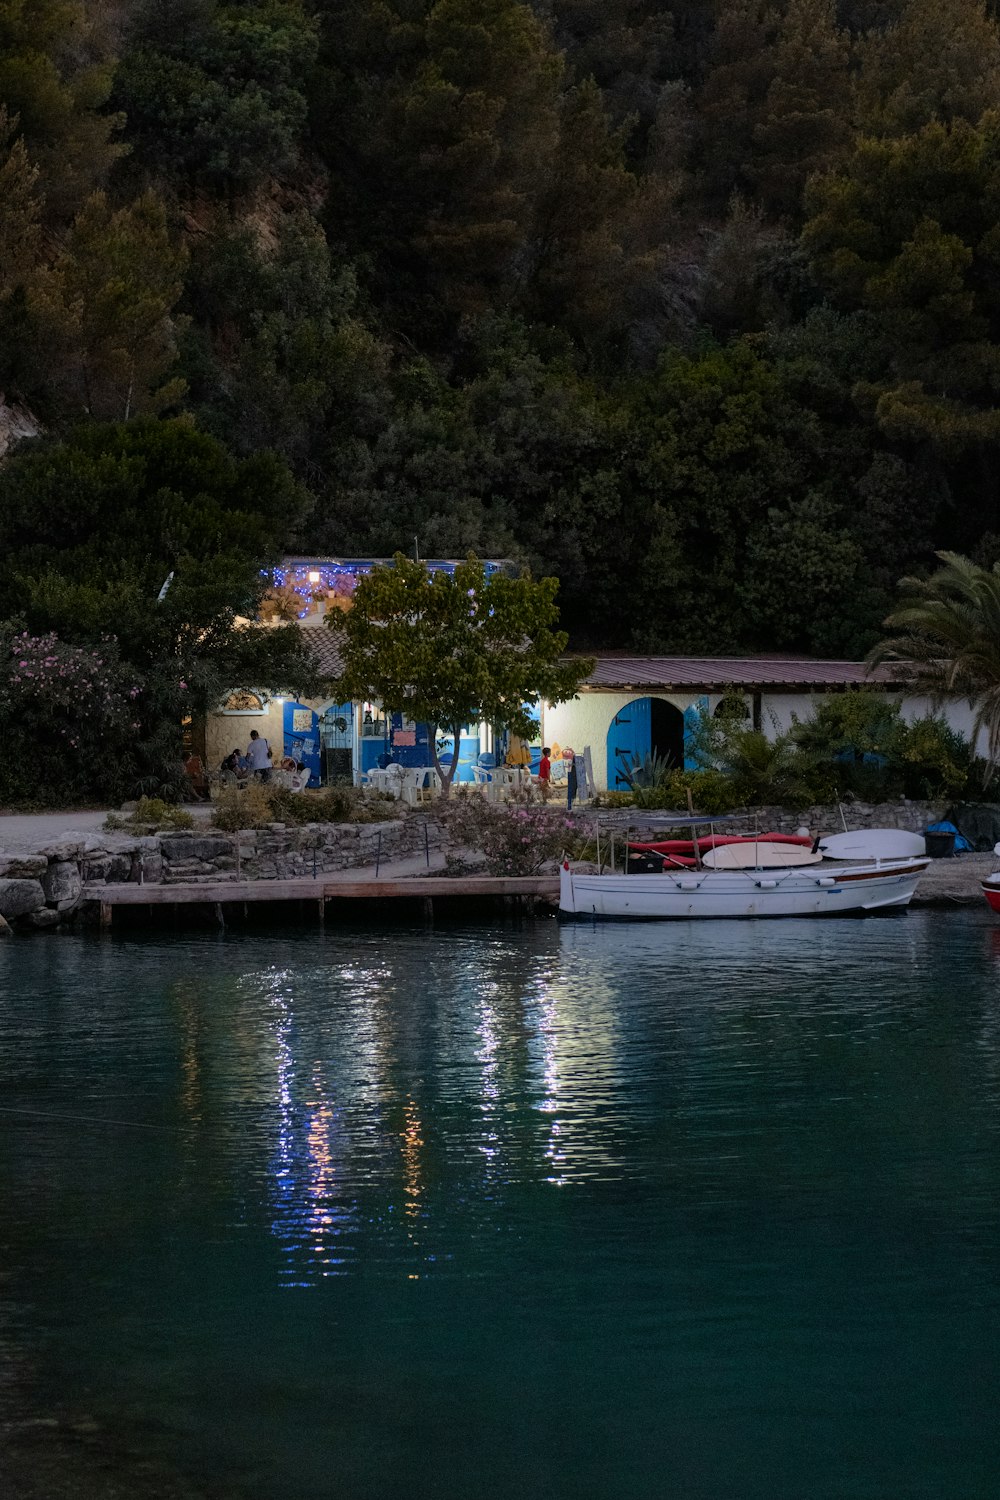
67 713
613 799
257 805
249 807
150 815
516 839
849 725
711 791
934 759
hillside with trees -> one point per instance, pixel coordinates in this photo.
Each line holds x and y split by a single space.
694 304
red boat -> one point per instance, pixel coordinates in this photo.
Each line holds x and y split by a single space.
991 890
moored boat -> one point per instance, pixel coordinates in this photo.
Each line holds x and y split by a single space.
804 891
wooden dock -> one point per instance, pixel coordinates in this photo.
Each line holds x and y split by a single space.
222 893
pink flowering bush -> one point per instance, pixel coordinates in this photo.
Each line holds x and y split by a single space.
68 714
516 838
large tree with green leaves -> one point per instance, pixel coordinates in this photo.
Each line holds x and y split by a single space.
947 639
448 649
151 535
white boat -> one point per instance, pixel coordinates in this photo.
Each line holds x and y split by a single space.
758 856
809 891
873 843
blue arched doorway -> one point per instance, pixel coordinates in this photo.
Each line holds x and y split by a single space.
643 727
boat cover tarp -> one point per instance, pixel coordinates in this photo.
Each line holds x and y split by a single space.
978 823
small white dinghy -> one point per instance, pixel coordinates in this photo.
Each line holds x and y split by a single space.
759 855
873 843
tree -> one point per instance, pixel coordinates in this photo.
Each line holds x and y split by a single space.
55 76
940 62
214 94
276 355
948 641
20 208
91 529
450 649
803 122
103 310
907 230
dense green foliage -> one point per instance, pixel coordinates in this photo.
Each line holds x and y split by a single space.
147 537
854 745
691 303
949 632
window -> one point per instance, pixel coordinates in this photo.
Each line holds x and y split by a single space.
243 702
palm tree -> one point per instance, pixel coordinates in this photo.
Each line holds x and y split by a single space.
949 641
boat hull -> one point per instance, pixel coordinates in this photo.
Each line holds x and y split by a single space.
991 890
683 895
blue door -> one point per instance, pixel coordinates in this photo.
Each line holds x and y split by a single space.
630 739
301 736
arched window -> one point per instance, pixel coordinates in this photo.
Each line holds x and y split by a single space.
243 702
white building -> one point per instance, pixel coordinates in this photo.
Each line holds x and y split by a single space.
632 705
629 705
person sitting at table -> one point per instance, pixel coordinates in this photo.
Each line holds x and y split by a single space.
195 772
232 768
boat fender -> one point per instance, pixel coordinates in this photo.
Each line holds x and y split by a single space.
826 880
766 885
689 885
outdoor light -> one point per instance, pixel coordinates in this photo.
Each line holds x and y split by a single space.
314 577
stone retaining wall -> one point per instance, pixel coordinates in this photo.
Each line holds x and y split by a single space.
45 888
913 816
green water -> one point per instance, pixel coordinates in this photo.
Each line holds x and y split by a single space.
656 1213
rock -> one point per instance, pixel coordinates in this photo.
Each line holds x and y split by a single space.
187 846
62 884
64 849
4 927
17 897
44 917
23 866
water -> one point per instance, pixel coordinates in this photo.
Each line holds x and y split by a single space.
656 1213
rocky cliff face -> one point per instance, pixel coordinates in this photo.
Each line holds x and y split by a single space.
16 422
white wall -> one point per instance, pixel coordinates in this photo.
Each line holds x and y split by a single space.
586 719
776 710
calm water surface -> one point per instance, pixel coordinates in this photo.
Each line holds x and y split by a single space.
658 1213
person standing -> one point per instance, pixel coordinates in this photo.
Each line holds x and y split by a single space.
259 757
545 773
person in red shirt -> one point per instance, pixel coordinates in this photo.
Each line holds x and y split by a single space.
545 773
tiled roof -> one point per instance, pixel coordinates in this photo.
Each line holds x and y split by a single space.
676 672
721 672
325 649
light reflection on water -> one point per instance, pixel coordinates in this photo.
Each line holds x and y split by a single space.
564 1210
